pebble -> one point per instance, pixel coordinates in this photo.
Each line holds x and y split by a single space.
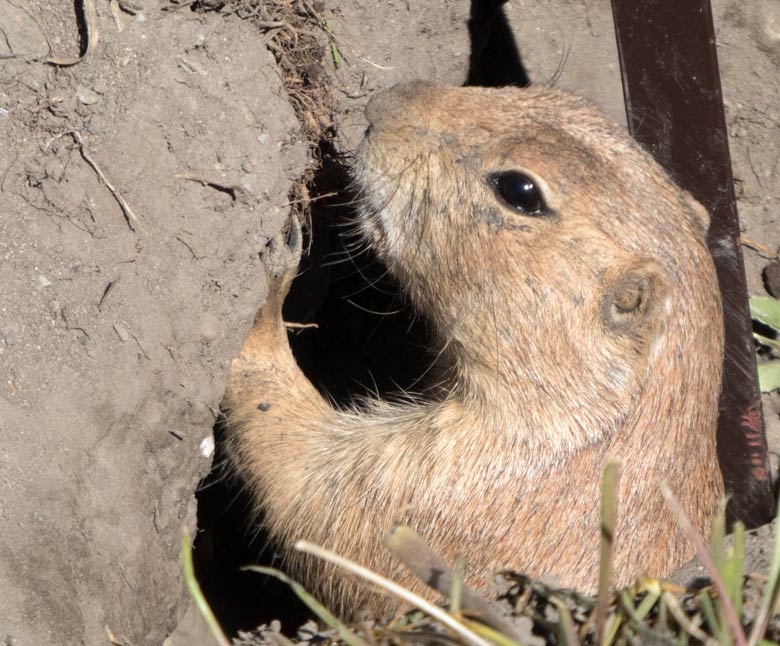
772 278
86 96
209 327
207 449
121 332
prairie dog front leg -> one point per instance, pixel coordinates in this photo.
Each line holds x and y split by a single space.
271 406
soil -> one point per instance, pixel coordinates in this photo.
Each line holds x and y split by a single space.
137 188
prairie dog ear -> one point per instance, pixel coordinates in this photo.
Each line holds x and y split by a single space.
633 302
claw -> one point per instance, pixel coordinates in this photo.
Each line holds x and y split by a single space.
280 260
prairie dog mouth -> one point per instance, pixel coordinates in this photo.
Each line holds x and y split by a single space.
372 229
372 186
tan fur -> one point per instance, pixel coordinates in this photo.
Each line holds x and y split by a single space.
565 340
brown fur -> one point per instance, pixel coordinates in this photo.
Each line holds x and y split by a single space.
567 339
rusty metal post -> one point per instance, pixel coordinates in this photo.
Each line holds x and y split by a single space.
671 85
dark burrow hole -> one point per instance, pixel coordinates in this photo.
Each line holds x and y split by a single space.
367 341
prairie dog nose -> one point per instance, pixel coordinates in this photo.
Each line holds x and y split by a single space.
392 101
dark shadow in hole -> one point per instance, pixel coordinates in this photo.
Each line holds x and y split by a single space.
368 341
225 543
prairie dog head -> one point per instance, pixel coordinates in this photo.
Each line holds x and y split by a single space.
550 252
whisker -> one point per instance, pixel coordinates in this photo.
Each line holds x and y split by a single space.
365 309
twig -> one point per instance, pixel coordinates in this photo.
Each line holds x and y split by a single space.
379 67
409 548
679 616
130 217
7 43
106 292
234 190
89 16
757 246
394 589
116 14
301 326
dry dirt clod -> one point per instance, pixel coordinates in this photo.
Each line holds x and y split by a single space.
771 275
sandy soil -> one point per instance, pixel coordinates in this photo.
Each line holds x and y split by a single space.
116 333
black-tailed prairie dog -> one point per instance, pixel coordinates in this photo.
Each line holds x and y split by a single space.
577 317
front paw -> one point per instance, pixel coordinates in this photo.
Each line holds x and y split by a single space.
281 257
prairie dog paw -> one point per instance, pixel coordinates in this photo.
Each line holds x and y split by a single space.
281 258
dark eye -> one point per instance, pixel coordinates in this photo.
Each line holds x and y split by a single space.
519 192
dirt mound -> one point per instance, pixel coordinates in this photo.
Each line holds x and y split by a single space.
116 332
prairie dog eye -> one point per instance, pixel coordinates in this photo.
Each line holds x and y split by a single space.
519 192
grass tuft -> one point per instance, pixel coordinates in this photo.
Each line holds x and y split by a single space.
721 612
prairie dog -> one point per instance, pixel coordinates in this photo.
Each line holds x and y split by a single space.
577 316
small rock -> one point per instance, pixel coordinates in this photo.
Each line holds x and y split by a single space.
276 626
42 281
86 96
207 448
772 278
131 6
263 138
248 183
121 332
3 113
209 327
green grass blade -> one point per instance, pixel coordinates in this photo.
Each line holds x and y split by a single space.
491 634
737 562
456 589
733 628
708 611
197 593
567 632
628 606
766 310
610 484
648 603
315 606
771 593
334 49
773 344
769 376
